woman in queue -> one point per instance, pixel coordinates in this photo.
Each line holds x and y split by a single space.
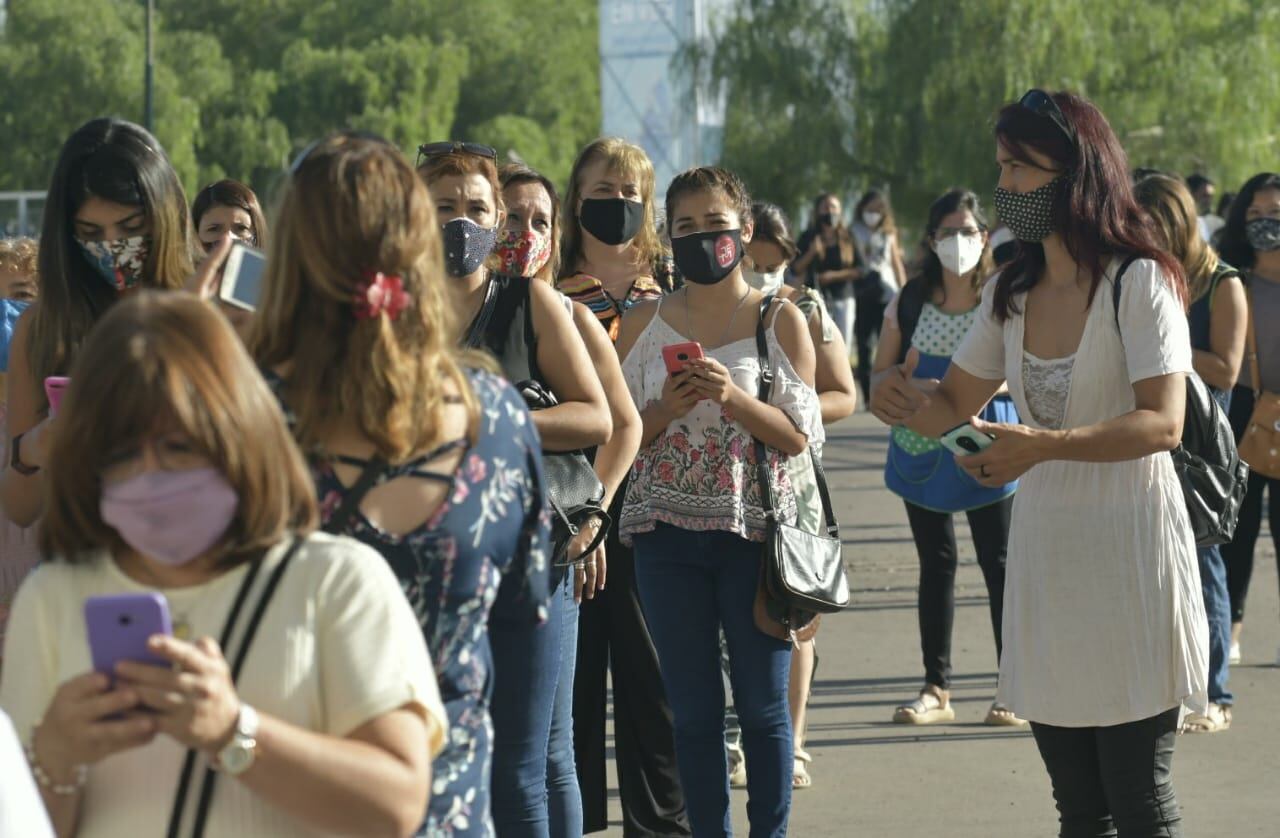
172 476
414 448
612 259
529 329
693 508
1105 638
225 209
875 232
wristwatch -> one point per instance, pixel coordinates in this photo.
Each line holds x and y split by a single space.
15 457
237 757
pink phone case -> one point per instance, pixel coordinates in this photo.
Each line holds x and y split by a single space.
677 355
54 387
119 626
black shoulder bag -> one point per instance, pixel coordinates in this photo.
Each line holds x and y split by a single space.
803 573
1213 476
228 629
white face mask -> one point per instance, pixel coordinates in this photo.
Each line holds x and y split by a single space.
872 219
765 283
960 253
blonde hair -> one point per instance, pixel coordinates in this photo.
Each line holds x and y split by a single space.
1173 212
625 159
354 205
18 256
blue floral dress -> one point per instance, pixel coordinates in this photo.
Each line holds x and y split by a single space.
487 547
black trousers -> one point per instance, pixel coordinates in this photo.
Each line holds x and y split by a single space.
867 322
1113 782
613 636
1238 555
935 537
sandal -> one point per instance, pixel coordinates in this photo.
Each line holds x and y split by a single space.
929 708
1001 716
1216 720
800 778
737 767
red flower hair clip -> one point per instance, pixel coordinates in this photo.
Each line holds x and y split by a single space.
379 293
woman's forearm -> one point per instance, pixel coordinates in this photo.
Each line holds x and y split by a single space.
571 426
767 423
338 785
837 405
1128 437
21 496
64 812
614 458
1215 371
654 421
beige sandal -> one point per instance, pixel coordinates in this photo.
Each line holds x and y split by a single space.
929 708
800 778
737 767
1001 716
1216 720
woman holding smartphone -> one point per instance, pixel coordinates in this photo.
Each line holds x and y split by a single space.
693 508
172 472
929 319
115 220
1105 635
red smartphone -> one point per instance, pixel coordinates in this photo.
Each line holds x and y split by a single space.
678 355
119 627
54 387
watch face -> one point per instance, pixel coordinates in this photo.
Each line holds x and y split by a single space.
237 757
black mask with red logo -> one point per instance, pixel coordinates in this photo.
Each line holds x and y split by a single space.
706 258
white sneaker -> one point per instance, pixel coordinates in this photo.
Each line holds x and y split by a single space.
1234 657
737 767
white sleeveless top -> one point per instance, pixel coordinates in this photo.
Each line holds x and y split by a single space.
1104 619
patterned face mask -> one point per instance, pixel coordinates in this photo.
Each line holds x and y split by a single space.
1029 214
522 253
1263 233
118 261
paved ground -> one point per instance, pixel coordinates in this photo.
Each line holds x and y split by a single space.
963 780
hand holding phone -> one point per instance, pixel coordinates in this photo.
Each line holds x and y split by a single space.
965 439
120 625
54 388
678 355
242 277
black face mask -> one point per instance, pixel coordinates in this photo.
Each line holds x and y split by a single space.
707 258
466 245
827 219
612 220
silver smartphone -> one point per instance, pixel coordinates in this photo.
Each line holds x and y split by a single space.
242 277
965 439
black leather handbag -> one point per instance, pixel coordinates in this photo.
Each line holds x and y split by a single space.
803 573
574 492
1213 476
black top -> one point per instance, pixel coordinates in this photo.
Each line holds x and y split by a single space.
830 260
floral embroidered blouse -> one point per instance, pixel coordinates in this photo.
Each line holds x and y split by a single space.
699 474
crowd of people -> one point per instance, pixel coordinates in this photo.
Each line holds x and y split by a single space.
391 608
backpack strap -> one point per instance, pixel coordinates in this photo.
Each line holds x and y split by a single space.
911 300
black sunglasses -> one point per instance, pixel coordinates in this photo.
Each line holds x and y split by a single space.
1042 104
428 150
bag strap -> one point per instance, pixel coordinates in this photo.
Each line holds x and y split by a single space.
479 327
228 629
353 497
762 461
911 300
1255 371
1115 290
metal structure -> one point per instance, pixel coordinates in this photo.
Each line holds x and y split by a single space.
645 98
148 82
20 213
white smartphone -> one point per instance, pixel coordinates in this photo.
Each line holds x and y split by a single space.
965 439
242 277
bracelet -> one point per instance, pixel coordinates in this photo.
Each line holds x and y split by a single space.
46 782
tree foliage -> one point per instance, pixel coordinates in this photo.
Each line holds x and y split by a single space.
241 85
844 94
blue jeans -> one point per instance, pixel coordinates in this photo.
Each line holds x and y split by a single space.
535 785
691 585
1217 607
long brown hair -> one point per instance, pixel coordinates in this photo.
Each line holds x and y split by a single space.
1094 212
1176 220
889 226
119 162
232 193
163 363
930 272
624 159
844 237
353 206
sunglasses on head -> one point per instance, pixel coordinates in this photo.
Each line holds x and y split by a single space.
1042 104
426 151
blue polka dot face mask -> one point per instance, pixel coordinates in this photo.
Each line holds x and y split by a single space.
1029 215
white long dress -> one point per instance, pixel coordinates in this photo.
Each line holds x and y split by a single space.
1103 617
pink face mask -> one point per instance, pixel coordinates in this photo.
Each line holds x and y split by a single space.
522 253
171 516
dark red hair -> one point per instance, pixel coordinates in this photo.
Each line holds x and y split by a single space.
1094 212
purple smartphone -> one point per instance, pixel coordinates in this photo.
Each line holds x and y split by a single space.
54 387
119 626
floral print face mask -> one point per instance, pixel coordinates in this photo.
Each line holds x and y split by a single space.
118 261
